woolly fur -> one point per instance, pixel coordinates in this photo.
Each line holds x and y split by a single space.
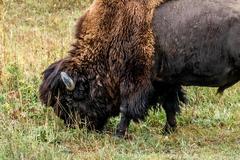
119 32
115 44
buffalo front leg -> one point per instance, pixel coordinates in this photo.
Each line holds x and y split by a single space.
134 105
123 125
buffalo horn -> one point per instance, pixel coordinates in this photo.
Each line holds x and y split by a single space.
70 85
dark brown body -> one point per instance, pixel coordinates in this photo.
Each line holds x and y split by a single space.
197 44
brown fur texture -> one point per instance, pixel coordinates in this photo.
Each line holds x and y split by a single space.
113 53
114 22
120 32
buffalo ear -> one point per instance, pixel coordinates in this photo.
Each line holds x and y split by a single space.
67 80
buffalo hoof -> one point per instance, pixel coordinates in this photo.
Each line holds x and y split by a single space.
120 134
169 129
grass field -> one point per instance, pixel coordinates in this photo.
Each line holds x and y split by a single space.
35 33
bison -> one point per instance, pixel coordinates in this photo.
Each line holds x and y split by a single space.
108 71
197 43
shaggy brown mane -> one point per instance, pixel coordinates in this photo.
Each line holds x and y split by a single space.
107 24
120 32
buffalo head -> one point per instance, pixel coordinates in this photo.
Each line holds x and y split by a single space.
78 95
